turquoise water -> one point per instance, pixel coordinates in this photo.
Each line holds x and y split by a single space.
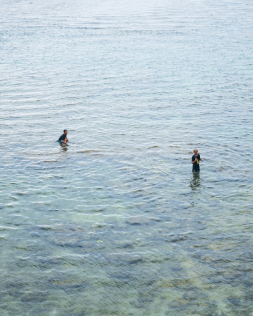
116 223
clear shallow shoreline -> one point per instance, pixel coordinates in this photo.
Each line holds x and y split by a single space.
117 224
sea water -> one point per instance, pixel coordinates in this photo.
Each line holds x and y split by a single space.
115 223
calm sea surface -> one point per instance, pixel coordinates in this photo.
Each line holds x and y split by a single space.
116 223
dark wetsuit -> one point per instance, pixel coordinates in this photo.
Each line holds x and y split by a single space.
195 166
63 136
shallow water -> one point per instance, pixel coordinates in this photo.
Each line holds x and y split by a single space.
116 223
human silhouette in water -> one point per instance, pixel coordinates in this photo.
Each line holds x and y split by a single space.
63 139
195 161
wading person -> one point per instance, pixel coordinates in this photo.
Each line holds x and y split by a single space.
63 139
195 161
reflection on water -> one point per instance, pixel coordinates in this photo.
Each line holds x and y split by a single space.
116 223
196 181
64 147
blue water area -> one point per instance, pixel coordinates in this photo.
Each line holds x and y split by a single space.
116 223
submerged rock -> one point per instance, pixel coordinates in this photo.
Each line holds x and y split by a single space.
124 244
139 220
51 260
191 295
60 228
16 288
69 240
121 275
179 303
145 297
34 297
125 257
68 283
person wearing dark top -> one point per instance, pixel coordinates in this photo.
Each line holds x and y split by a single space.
63 139
195 161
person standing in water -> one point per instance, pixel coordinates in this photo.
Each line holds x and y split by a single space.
195 161
63 139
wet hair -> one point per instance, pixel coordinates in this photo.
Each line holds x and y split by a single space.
64 131
195 150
